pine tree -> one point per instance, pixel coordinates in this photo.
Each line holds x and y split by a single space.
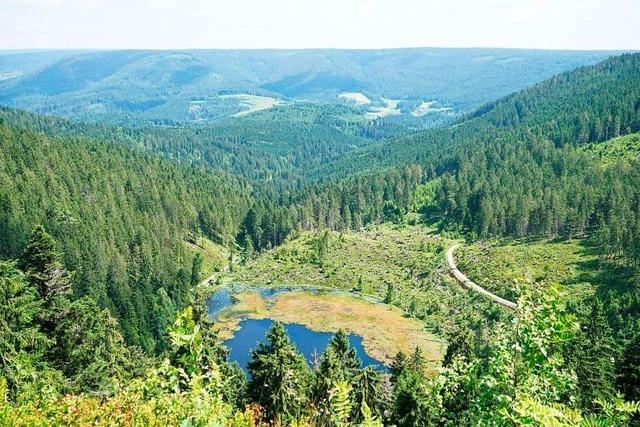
344 351
398 365
42 264
389 295
330 370
280 376
629 370
196 269
22 343
369 389
417 361
595 358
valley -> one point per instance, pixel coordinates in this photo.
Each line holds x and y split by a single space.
321 238
382 329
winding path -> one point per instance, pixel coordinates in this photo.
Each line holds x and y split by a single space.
212 278
473 286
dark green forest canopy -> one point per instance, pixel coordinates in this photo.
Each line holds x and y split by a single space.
121 218
273 148
110 267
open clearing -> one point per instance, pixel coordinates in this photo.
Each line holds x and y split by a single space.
384 329
252 103
497 265
429 107
389 109
373 257
357 97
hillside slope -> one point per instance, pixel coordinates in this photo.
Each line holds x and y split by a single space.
186 85
590 104
122 219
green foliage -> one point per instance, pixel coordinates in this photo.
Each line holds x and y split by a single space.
321 247
22 343
629 371
90 350
42 264
593 358
411 406
120 217
280 376
340 404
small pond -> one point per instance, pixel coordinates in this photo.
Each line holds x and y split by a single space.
223 297
308 342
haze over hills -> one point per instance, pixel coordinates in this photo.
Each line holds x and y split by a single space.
412 86
297 196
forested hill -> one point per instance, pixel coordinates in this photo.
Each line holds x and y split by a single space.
191 85
118 211
121 218
592 103
516 167
276 147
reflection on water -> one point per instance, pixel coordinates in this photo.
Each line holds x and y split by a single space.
310 343
223 297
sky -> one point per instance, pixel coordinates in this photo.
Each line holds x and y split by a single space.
174 24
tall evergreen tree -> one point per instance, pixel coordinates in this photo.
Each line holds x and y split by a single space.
43 266
344 351
280 376
595 358
629 371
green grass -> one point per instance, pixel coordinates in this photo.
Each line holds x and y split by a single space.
215 256
621 148
501 266
375 257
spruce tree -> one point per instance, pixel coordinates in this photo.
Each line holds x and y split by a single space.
398 365
369 388
280 376
196 269
42 264
595 359
344 351
629 370
330 371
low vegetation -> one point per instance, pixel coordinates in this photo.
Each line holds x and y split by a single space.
367 261
502 265
384 329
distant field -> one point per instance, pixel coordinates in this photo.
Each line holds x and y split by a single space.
389 109
429 107
253 103
357 97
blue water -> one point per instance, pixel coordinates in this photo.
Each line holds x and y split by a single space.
224 297
310 343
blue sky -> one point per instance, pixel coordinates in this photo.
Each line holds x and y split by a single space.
546 24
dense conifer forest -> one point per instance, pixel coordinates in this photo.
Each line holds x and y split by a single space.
103 316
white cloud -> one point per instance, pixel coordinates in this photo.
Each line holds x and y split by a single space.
566 24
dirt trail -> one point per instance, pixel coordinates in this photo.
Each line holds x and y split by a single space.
212 278
473 286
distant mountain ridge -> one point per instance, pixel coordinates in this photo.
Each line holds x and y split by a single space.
185 85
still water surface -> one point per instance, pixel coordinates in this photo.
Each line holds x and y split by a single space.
308 342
